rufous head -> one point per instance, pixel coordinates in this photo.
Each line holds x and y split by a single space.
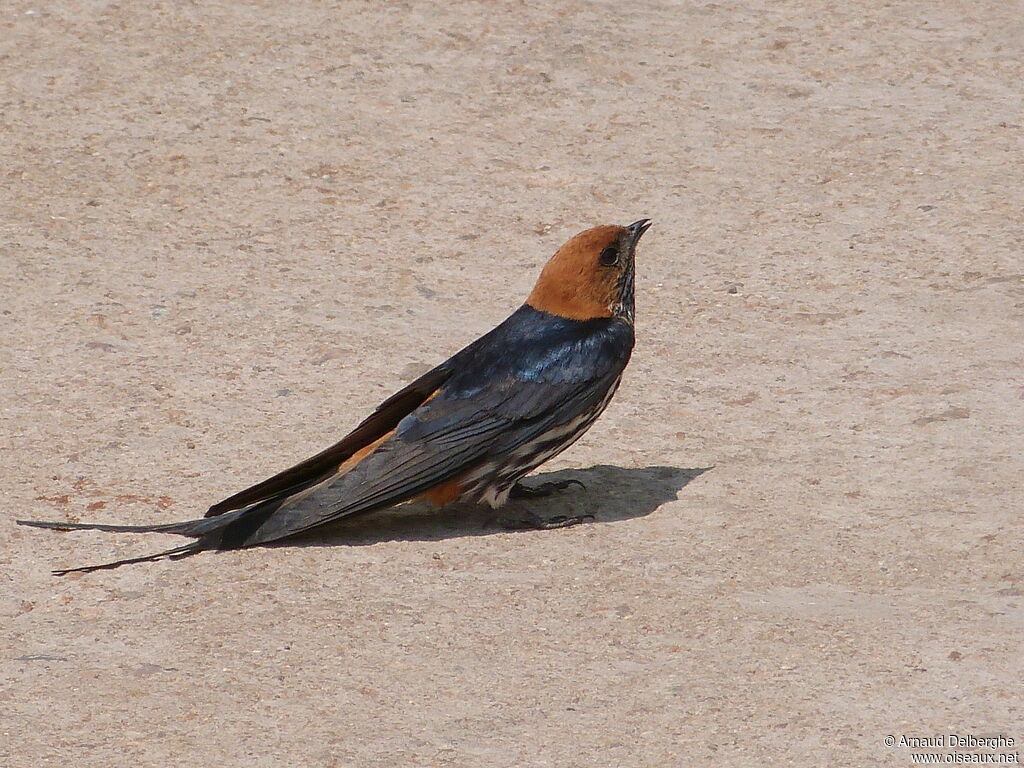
591 276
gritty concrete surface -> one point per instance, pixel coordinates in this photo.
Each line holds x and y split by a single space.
227 230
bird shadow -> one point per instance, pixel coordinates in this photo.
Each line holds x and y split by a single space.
610 494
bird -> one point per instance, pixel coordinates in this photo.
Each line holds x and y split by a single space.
467 430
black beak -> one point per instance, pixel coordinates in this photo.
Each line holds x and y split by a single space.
637 229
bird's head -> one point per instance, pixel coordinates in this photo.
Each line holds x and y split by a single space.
591 276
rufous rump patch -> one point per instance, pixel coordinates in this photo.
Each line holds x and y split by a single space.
445 493
366 450
363 452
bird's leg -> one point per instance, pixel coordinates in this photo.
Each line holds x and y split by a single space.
530 522
520 491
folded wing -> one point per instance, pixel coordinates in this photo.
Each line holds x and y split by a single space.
443 439
325 464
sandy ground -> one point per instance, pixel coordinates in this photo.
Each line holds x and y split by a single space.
228 230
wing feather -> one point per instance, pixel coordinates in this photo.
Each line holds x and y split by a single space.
407 465
325 464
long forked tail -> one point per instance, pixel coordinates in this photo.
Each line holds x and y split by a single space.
174 554
184 528
207 531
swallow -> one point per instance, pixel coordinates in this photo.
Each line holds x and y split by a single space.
466 431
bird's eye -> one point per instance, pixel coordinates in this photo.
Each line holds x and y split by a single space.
609 256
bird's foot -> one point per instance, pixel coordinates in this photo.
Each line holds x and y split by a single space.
520 491
532 522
